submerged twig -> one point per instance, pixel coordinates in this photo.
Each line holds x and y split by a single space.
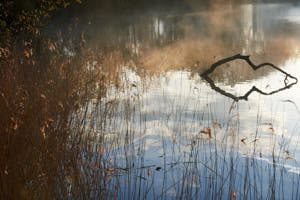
254 67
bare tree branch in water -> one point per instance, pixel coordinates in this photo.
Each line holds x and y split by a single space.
205 75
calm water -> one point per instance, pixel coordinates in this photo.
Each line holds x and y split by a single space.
154 129
165 104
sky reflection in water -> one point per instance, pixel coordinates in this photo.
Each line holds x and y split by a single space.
177 87
165 104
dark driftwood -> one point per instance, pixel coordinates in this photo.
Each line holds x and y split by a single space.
205 76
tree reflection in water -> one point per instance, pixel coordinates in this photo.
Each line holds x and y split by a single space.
75 125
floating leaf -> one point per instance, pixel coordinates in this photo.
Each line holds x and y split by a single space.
287 152
158 168
110 170
207 131
256 139
289 158
232 129
101 151
149 173
233 195
195 180
95 166
243 140
268 124
216 125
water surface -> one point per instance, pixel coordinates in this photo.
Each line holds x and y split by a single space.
145 125
179 138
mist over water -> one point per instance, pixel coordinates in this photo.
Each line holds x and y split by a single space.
121 110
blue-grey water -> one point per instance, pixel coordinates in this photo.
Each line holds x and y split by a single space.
152 128
176 136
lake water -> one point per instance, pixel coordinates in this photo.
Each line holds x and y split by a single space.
153 128
170 134
174 136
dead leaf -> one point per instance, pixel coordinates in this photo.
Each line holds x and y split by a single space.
158 168
61 105
195 180
216 125
149 173
256 139
111 101
15 126
289 158
52 47
110 170
95 166
101 151
42 129
243 140
232 129
207 131
50 82
287 152
233 195
24 172
26 53
43 96
268 124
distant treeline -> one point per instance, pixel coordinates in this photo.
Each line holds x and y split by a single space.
131 4
16 13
